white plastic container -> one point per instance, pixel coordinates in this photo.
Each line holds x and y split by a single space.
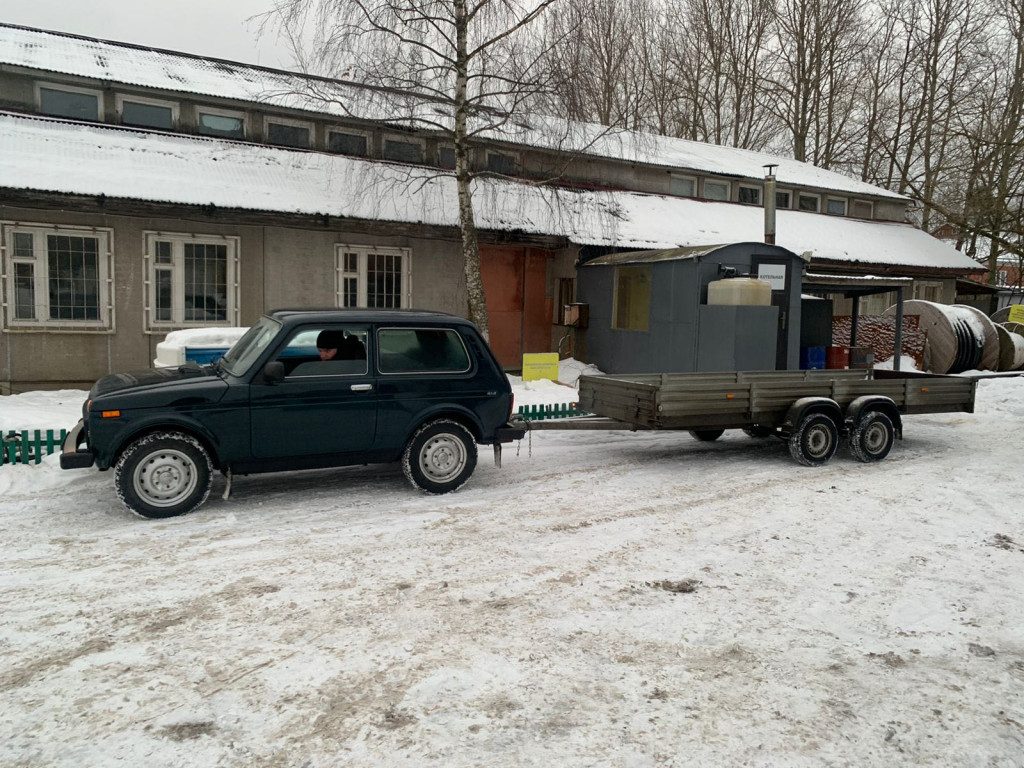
740 291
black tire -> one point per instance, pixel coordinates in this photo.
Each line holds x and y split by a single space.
872 437
164 474
706 435
815 440
440 457
760 432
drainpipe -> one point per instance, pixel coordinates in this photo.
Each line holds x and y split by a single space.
769 204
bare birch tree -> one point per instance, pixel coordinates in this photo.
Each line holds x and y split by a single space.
478 60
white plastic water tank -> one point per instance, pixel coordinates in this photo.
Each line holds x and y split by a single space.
742 291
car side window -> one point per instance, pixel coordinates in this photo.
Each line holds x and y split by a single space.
325 351
421 350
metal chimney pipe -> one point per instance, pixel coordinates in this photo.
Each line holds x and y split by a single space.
769 204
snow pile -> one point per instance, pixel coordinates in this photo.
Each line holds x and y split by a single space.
907 363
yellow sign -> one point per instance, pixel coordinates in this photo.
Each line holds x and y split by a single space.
1017 313
542 365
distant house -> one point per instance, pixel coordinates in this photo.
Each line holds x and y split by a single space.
143 191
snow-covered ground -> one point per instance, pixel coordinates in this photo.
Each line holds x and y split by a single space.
622 599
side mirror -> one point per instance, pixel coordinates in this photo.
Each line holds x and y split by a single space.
273 372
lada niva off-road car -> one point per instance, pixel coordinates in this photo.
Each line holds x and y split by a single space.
422 388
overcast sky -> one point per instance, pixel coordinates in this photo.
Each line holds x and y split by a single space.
219 28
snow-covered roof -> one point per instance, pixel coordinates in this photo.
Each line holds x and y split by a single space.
182 73
48 155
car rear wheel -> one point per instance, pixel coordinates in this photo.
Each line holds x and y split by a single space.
163 474
440 457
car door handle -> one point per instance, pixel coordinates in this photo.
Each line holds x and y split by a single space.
362 387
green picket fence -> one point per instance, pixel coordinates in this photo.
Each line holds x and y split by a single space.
552 411
29 447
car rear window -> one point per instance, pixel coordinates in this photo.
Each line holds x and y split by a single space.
421 350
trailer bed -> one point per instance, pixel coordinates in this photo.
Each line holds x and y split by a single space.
744 399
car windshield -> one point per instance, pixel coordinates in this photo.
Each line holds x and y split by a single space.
247 349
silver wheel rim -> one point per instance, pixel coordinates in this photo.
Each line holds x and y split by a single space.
819 440
875 437
442 458
165 478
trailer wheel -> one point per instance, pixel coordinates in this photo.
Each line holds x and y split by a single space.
815 440
873 436
759 431
706 435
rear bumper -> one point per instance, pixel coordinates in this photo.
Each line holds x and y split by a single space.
508 433
70 456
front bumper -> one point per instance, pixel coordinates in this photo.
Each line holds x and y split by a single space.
70 456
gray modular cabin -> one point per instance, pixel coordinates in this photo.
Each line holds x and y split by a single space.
649 311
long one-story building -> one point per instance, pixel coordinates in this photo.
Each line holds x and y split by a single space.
143 191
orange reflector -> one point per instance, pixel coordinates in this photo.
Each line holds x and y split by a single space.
924 389
728 397
111 414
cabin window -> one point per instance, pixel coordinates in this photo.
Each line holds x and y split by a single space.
446 157
193 280
221 123
632 298
499 162
377 278
343 143
147 113
57 277
716 190
403 151
288 133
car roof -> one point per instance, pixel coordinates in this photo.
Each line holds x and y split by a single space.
335 315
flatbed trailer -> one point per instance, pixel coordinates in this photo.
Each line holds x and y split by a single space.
812 410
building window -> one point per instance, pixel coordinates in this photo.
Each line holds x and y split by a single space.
682 186
806 202
632 301
750 195
403 151
783 199
69 101
835 206
288 133
57 276
928 291
193 280
876 303
716 190
862 209
446 157
221 123
354 144
498 162
377 278
147 113
1002 278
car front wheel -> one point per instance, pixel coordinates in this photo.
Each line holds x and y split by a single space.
440 457
163 474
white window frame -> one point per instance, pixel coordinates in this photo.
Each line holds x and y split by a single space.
791 199
40 262
177 269
41 84
726 184
846 205
294 123
360 275
218 112
121 98
760 193
868 203
349 132
816 197
682 177
397 137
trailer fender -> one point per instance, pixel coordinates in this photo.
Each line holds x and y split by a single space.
875 403
808 405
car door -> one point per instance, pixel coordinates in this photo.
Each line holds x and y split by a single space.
321 407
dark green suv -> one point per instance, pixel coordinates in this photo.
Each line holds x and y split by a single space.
301 389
